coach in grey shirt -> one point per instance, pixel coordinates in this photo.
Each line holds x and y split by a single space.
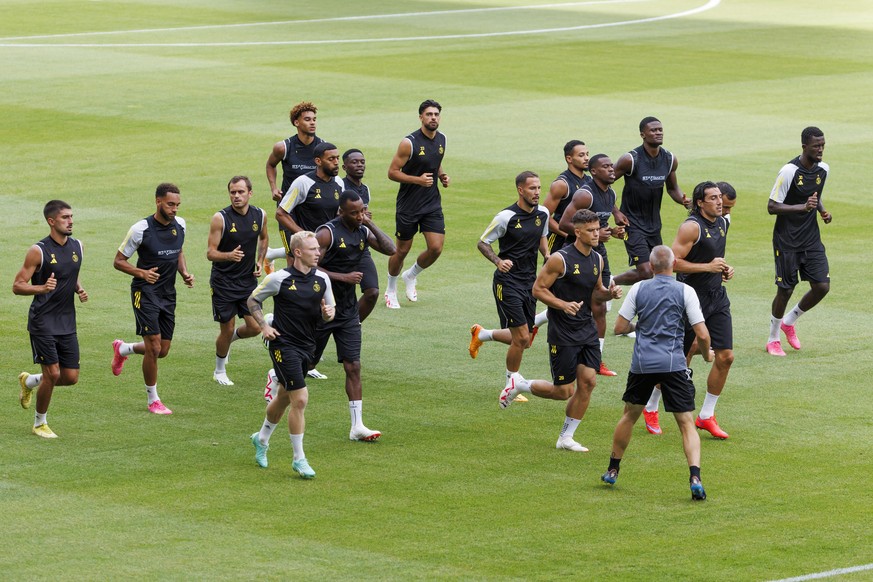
661 305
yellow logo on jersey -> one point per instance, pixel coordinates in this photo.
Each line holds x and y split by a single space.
721 231
421 150
595 271
518 223
708 235
538 221
817 179
361 246
232 227
255 226
174 232
292 286
316 287
54 261
75 257
336 195
800 180
318 193
441 150
342 244
576 269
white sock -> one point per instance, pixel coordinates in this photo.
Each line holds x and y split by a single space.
33 380
791 317
297 446
266 431
220 364
708 408
152 392
522 385
774 329
415 270
125 349
392 284
39 419
355 413
601 340
654 400
569 428
541 317
485 335
235 335
275 253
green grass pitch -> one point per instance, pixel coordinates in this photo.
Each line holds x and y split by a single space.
101 101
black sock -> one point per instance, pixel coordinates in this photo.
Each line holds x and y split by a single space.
695 472
614 463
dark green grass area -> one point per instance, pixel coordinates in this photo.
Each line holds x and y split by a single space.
456 488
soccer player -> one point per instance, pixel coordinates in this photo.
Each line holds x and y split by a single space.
418 166
597 195
520 231
313 197
354 165
661 305
296 154
562 189
699 249
301 297
236 246
728 199
567 284
51 274
797 246
646 170
343 241
157 240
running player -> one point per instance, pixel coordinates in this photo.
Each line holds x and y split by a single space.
417 166
520 231
646 171
562 189
301 297
296 154
236 246
158 241
314 197
343 241
567 284
797 246
354 166
662 306
51 274
597 195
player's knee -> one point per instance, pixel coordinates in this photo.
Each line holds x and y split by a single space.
352 369
821 288
370 295
68 377
645 270
724 358
52 375
564 392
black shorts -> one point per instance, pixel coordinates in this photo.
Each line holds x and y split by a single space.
516 305
367 267
409 225
56 349
564 360
639 245
555 241
813 266
676 388
154 314
346 335
721 329
290 364
606 274
226 304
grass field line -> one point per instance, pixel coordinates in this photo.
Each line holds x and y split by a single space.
5 42
828 574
